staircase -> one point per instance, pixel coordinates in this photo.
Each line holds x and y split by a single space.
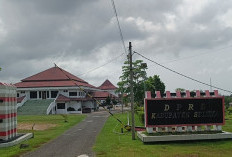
35 107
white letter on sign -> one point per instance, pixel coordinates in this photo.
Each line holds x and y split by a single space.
166 108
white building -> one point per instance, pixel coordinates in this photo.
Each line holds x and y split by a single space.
61 88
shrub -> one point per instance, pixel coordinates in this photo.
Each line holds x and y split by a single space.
70 109
141 116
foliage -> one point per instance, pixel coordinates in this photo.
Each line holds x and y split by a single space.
155 84
41 136
114 102
71 109
139 74
228 99
180 89
111 144
229 110
107 101
140 81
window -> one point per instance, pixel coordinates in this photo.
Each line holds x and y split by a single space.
72 93
17 95
33 94
60 105
39 94
81 93
1 101
47 94
65 91
1 120
54 94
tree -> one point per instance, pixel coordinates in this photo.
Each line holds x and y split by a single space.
154 84
114 102
107 102
228 100
180 89
139 75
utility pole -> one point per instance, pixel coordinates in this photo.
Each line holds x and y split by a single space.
132 93
122 101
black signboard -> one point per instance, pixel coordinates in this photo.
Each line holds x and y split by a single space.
183 111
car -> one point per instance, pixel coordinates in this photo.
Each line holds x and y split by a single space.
86 110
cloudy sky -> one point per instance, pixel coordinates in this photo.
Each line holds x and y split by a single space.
193 37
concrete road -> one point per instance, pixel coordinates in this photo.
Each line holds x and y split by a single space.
76 141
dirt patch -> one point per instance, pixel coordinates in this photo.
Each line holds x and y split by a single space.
28 126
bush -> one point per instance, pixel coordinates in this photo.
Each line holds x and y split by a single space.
141 116
71 109
229 110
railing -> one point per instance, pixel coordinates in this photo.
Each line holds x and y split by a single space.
51 106
22 102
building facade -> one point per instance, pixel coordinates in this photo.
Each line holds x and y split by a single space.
66 91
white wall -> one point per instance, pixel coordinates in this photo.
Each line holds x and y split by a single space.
88 104
61 111
74 104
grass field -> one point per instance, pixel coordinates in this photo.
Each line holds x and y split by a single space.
42 134
112 144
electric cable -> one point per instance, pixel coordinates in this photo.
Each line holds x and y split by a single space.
91 70
119 27
125 126
190 57
188 77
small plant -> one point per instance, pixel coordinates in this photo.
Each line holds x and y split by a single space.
71 109
65 116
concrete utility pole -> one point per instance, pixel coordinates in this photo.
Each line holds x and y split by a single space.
122 101
131 93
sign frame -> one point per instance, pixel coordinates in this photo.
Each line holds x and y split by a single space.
184 98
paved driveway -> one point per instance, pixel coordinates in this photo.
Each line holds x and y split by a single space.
76 141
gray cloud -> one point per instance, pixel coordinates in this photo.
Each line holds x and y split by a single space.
81 35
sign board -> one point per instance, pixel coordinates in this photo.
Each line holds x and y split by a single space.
162 112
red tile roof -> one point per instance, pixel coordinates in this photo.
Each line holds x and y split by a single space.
101 94
54 73
107 85
20 99
53 77
65 99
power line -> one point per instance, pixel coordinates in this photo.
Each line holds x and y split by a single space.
190 57
188 77
119 27
122 39
101 65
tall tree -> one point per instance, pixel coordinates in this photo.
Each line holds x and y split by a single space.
139 75
154 84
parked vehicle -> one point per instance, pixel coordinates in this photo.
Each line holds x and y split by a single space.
86 110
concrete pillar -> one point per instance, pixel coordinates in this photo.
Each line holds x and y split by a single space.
189 128
7 113
207 127
169 129
179 129
217 127
159 129
149 130
198 128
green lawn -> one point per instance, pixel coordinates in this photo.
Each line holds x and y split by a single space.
110 143
44 136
